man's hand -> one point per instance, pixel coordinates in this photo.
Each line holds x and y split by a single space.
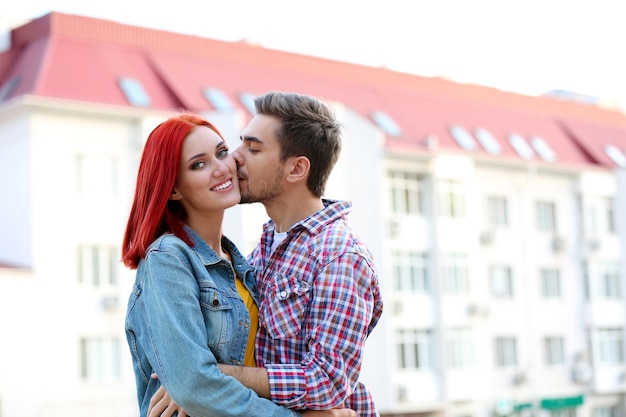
161 405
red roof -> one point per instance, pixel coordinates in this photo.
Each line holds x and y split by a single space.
80 58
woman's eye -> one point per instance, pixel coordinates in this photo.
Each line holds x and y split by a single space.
198 165
222 153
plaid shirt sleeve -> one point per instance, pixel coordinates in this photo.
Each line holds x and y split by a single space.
344 306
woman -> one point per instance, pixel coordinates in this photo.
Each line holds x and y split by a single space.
192 303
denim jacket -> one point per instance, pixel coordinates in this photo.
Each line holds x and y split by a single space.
184 316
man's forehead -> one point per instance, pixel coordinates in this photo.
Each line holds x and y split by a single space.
261 129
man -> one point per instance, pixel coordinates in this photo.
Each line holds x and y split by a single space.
318 288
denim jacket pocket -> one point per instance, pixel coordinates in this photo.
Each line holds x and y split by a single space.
284 306
218 314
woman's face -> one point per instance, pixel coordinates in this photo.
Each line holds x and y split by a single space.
207 177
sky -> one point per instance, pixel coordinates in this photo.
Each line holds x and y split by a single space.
524 46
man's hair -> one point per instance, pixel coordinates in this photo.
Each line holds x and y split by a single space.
308 128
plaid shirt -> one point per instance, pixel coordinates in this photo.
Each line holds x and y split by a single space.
318 301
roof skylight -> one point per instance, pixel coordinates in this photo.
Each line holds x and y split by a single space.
521 147
487 141
247 100
134 92
218 99
543 149
616 155
463 138
386 123
9 87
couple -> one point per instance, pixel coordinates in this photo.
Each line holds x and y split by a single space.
310 288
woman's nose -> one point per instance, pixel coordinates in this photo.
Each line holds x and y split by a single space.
222 167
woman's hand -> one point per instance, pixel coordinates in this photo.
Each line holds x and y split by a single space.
161 405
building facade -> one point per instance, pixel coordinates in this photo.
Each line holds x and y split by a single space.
494 220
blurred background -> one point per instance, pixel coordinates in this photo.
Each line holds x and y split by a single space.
484 153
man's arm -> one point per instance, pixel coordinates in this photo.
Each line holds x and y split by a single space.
161 405
252 377
343 304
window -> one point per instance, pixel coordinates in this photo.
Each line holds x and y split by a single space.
501 281
8 88
410 271
218 99
100 359
543 149
97 266
497 213
451 199
134 92
506 351
609 345
406 192
554 351
564 412
460 353
521 146
605 411
455 273
487 140
546 216
616 155
550 283
463 138
600 216
415 349
386 123
97 177
603 280
247 100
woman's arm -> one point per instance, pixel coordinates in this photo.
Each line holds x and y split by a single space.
161 405
170 328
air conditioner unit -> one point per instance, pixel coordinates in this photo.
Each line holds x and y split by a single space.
393 228
486 237
518 378
402 394
398 307
477 309
581 373
110 302
594 244
558 244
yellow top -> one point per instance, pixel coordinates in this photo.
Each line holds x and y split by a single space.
249 359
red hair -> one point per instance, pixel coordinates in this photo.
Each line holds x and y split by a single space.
152 213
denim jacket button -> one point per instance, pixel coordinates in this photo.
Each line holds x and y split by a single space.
216 303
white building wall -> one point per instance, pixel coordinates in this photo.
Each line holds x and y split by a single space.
15 186
52 214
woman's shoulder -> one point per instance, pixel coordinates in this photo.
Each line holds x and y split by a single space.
167 242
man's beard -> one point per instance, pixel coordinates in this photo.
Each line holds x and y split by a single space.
265 190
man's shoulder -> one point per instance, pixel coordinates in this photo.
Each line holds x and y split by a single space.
335 239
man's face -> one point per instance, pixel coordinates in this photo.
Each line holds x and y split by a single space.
259 169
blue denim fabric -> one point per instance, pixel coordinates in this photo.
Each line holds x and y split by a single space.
184 316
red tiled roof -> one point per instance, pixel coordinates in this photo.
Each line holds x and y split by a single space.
80 58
